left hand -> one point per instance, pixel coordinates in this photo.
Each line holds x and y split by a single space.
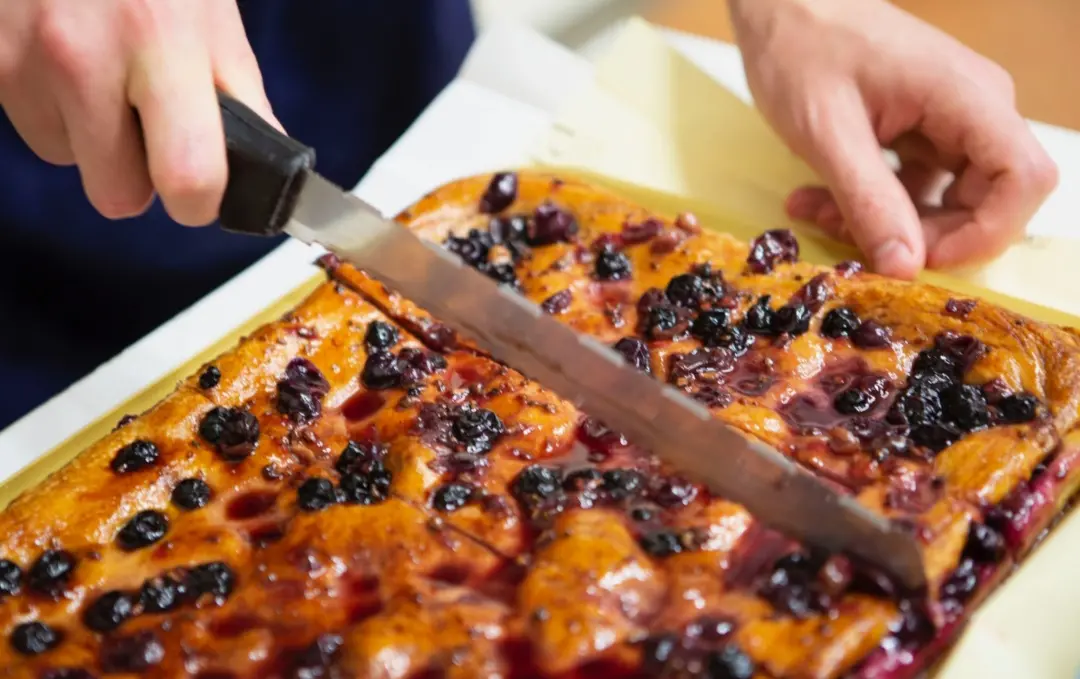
840 79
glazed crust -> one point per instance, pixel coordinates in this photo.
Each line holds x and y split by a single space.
517 537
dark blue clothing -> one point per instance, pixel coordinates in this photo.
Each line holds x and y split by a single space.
344 76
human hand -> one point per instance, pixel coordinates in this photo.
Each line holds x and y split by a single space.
125 89
840 79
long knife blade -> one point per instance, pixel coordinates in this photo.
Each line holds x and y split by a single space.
774 489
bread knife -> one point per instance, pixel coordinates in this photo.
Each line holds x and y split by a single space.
273 189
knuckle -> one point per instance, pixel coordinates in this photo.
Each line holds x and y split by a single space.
192 191
60 44
1043 173
140 20
1001 80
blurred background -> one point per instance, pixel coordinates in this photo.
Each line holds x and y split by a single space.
1035 40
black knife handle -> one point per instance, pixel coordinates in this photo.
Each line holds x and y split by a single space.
266 172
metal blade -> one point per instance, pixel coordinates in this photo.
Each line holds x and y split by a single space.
655 416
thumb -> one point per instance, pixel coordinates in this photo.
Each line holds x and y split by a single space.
880 216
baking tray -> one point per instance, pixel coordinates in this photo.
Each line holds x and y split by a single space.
813 246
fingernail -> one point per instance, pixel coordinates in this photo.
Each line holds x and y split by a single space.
894 258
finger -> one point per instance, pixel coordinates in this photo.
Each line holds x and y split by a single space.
89 88
236 70
803 203
172 87
881 217
925 184
40 125
916 147
969 190
29 106
1003 152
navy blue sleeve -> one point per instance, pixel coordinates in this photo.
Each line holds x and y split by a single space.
344 76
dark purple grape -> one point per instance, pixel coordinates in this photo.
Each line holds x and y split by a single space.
135 456
657 651
1018 408
210 377
109 611
419 364
871 335
712 325
920 405
771 248
663 322
162 594
34 638
478 429
380 336
383 371
49 575
759 317
620 484
965 406
612 265
300 406
730 662
691 290
962 583
359 457
316 494
11 577
662 543
635 352
636 234
839 323
959 308
500 193
368 487
131 654
558 302
984 544
143 530
507 230
215 579
298 401
550 224
815 293
791 319
587 480
853 402
535 483
503 274
934 362
963 349
936 437
451 497
235 432
473 249
191 494
701 363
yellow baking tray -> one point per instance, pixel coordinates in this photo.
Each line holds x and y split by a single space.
814 248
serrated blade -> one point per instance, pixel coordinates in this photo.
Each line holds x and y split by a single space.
514 330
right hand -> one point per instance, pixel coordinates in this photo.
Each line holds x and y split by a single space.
125 90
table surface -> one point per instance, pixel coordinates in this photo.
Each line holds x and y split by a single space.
1035 40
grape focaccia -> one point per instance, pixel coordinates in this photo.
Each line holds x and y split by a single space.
354 491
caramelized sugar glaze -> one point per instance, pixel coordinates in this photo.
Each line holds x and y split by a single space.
354 491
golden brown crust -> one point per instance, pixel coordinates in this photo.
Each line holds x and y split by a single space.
478 525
